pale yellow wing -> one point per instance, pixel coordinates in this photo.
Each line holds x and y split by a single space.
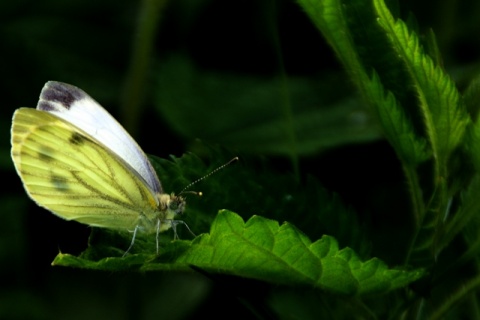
75 177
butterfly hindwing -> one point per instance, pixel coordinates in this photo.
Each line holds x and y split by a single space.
69 173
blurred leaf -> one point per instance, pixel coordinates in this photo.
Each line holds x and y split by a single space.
472 98
244 112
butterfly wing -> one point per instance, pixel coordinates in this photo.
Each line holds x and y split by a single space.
78 108
75 177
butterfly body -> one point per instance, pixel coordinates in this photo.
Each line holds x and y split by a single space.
77 161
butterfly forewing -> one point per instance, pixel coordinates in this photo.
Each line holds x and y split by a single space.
75 177
76 107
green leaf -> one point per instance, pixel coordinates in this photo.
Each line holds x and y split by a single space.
364 49
398 129
445 121
329 17
351 30
263 250
444 113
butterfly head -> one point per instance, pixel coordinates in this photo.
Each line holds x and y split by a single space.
176 204
171 205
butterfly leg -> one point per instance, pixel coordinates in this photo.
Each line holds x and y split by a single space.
158 232
174 227
186 225
174 223
133 241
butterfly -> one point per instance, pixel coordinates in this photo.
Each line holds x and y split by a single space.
78 162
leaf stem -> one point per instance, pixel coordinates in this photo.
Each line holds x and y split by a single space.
418 206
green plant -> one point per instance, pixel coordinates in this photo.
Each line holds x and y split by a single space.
320 259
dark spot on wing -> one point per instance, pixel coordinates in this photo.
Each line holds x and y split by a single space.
45 105
46 154
59 183
77 139
62 93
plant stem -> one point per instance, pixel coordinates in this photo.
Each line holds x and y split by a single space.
455 298
135 81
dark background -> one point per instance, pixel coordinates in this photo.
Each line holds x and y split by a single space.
89 44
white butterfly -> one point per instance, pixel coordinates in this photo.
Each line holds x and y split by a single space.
78 162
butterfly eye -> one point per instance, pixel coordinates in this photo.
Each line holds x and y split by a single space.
177 204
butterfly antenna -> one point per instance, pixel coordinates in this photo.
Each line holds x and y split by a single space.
206 176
